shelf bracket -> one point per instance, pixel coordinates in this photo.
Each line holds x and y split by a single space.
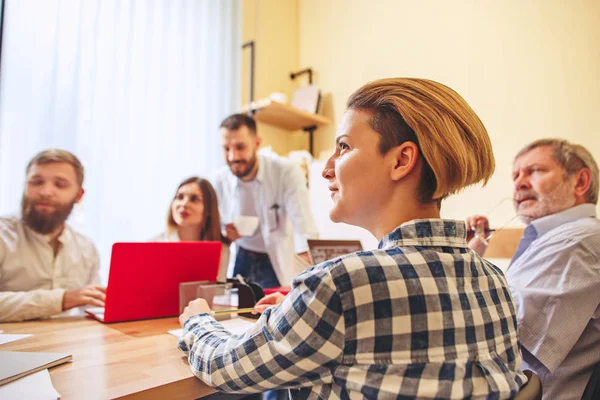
308 71
250 44
310 130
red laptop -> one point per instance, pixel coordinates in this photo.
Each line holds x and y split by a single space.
144 278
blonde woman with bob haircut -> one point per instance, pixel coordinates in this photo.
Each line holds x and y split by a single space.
194 216
422 316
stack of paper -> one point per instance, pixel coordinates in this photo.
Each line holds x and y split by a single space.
24 375
34 386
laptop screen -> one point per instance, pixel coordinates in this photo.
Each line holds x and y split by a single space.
323 250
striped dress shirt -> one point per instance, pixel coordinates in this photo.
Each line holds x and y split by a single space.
422 316
556 287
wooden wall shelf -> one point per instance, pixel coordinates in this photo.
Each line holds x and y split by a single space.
286 117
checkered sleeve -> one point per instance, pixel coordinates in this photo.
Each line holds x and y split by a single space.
295 344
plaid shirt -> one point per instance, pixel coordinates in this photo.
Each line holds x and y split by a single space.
423 316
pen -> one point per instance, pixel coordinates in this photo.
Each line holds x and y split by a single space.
234 311
471 231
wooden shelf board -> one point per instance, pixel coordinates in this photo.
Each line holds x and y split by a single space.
287 117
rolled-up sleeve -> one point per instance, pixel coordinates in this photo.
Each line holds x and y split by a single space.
22 306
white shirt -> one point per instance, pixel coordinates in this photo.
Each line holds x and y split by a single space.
173 236
32 280
282 203
249 192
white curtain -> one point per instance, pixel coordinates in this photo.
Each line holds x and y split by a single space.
136 89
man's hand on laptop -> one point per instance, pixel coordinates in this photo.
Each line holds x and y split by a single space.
195 307
90 295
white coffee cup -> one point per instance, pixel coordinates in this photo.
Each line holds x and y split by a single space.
245 224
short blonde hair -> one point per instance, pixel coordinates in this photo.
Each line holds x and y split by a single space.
453 142
572 158
58 156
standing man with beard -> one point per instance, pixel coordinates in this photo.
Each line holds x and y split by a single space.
45 266
272 189
554 275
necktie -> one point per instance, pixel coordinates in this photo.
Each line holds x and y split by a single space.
529 235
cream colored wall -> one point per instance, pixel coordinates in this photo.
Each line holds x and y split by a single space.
530 69
273 25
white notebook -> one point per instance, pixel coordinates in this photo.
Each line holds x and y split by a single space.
307 98
34 386
17 364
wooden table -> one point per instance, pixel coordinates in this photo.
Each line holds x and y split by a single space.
133 360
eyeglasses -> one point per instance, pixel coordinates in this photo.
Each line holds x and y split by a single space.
481 233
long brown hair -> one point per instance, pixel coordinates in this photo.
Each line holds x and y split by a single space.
211 225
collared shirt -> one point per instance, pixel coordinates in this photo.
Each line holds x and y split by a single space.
32 280
556 286
173 236
283 209
249 206
422 316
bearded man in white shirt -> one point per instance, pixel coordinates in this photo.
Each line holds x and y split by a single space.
45 266
273 191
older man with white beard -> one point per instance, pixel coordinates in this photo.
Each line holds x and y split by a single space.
45 266
554 275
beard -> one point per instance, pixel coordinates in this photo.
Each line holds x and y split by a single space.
45 223
249 166
557 200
